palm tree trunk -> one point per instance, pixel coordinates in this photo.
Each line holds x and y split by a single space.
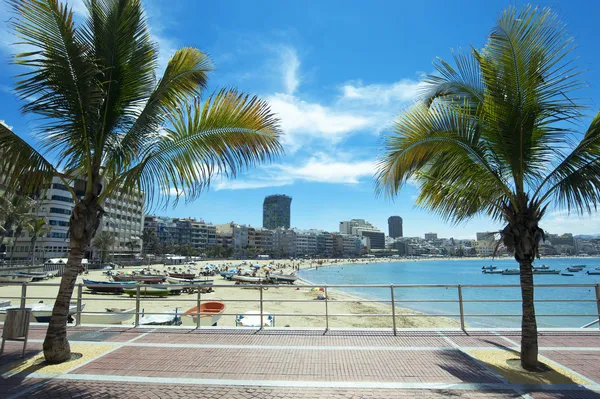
83 225
32 250
529 341
16 235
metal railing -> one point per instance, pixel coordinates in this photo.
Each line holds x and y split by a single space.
461 316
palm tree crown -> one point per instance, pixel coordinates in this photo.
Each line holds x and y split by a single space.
493 135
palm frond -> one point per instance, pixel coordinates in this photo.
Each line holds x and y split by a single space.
22 168
186 75
575 183
62 78
224 135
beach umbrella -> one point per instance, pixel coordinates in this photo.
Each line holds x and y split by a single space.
256 266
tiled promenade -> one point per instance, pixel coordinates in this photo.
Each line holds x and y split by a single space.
120 362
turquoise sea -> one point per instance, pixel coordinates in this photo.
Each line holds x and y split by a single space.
467 272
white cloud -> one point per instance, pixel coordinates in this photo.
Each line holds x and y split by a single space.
559 222
304 121
320 168
402 91
289 66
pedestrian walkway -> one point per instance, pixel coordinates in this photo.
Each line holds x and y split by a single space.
237 363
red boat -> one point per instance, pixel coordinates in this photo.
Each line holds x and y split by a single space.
146 279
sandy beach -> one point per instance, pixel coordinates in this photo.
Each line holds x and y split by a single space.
293 314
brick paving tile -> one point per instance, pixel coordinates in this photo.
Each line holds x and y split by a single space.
581 340
583 394
585 363
13 350
487 340
97 390
287 364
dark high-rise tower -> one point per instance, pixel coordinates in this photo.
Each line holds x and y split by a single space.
395 226
276 211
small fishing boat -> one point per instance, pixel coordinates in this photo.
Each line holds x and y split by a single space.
35 276
496 271
593 272
546 271
511 272
15 278
111 316
253 319
210 313
575 268
170 319
107 286
42 312
541 267
566 274
283 278
147 279
185 276
491 267
174 280
228 275
248 279
160 290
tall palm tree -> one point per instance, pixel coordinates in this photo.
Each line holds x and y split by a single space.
14 211
104 242
37 227
111 123
490 137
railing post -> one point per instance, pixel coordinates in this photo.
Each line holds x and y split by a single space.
393 308
261 307
23 294
78 314
326 308
460 307
198 301
137 306
598 302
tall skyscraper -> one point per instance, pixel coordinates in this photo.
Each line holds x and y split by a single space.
276 211
395 226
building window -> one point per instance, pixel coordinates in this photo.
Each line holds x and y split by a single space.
63 199
59 186
60 211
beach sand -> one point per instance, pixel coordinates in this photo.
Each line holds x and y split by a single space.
274 301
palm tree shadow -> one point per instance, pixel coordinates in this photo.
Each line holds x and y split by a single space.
472 370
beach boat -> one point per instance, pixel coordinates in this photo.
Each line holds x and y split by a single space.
174 280
496 271
248 279
579 266
593 272
35 276
566 274
161 319
111 316
14 278
42 312
491 267
252 319
107 286
185 276
541 267
210 313
546 271
511 272
574 269
149 291
284 278
147 279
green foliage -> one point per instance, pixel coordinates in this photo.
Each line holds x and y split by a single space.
489 136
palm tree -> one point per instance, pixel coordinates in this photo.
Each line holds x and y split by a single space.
14 211
490 137
104 242
37 227
112 124
149 240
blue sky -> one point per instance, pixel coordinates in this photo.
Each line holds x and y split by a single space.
336 72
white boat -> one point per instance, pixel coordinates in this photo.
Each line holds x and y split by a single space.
510 272
182 281
15 278
541 267
252 319
111 316
247 279
42 312
170 319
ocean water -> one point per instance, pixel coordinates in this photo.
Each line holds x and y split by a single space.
466 272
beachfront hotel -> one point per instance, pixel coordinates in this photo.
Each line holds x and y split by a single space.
375 238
